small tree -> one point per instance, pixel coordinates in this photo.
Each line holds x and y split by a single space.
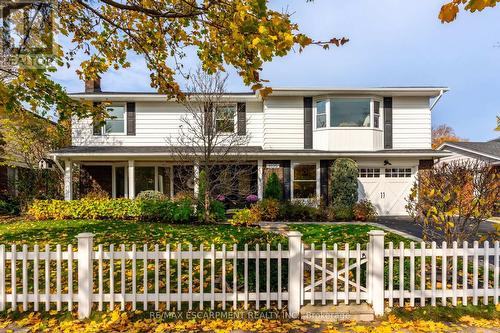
451 200
273 188
344 188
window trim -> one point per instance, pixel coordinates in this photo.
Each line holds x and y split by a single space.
328 126
103 126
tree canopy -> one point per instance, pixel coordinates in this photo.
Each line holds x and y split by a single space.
450 10
243 34
444 133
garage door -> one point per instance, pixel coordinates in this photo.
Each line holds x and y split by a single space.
386 188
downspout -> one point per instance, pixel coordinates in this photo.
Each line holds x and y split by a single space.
437 99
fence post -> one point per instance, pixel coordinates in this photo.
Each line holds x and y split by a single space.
85 282
376 272
294 273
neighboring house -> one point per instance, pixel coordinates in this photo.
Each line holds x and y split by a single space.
295 132
488 152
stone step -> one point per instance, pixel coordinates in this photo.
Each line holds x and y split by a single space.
337 313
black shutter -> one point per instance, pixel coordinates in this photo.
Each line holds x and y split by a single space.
308 134
96 125
242 119
324 175
131 118
286 180
387 122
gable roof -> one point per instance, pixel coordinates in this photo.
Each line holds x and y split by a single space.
490 149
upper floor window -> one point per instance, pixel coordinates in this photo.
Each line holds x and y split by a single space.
347 112
225 118
115 124
320 114
376 114
350 112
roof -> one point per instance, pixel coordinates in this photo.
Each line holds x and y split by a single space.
114 152
490 149
427 91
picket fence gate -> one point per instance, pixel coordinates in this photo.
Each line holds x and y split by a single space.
178 279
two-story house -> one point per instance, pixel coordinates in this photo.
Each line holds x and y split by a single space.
295 132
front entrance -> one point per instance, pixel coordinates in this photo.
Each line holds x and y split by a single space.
387 188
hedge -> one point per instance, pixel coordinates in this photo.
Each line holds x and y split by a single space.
117 209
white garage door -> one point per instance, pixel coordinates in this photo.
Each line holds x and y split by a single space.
386 188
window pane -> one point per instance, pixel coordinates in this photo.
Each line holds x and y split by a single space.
164 180
120 182
116 123
321 114
224 118
350 112
144 179
376 114
304 172
304 190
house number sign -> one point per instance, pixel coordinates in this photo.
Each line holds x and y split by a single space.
272 166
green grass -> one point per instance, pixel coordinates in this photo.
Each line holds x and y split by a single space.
447 313
129 232
340 234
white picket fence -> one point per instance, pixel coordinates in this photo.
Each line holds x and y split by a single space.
176 278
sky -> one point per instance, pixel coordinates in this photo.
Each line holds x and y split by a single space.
392 43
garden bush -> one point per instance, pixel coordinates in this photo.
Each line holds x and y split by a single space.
273 188
151 195
245 217
298 211
116 209
364 211
342 212
269 209
344 188
9 207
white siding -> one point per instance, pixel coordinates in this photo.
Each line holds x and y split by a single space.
411 123
155 123
284 123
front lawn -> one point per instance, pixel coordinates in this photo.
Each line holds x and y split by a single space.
130 232
341 234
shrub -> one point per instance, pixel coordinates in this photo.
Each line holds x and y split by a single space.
298 211
217 211
269 209
9 207
342 212
117 209
364 211
273 188
344 188
245 217
151 195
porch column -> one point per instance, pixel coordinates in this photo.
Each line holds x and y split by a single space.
196 176
68 180
260 179
131 179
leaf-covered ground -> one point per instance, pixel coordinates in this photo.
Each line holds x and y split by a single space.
129 232
117 321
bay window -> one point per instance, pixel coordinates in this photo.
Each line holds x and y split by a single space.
347 112
304 181
320 114
353 112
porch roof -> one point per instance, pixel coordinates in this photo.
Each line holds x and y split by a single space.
152 152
